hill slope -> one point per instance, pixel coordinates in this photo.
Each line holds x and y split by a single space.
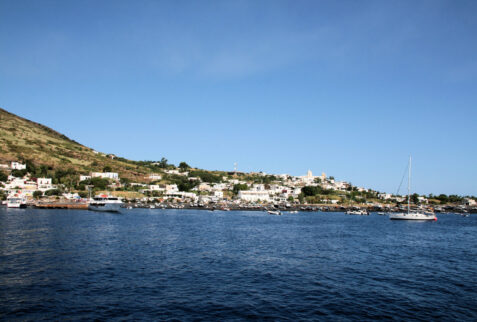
22 139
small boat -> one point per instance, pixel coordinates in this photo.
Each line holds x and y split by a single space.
274 212
105 203
358 212
152 207
294 211
382 213
16 202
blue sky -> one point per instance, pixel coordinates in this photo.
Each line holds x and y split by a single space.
350 88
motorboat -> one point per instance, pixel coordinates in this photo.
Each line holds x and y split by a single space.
274 212
358 212
16 202
106 203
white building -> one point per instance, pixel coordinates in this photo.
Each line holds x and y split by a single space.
220 186
253 196
105 175
20 186
155 176
44 184
341 185
470 202
17 166
296 192
156 187
385 196
258 187
219 194
84 178
204 187
137 184
422 199
308 179
177 172
171 188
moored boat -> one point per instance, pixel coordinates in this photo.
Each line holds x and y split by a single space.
358 212
416 215
16 202
105 203
413 216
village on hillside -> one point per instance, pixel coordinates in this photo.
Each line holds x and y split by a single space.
183 186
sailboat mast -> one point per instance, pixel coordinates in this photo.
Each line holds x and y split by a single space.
409 187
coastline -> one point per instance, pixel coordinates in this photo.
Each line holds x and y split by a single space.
234 207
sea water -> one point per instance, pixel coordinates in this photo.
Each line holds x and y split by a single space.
152 264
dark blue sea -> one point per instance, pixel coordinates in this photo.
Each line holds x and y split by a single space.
151 264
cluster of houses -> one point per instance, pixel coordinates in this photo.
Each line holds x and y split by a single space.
24 186
288 187
285 189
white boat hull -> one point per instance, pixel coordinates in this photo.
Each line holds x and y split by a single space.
413 216
16 205
357 213
106 207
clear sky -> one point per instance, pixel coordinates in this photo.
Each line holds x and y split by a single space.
349 88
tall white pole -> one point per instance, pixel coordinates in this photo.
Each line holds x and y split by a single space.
409 187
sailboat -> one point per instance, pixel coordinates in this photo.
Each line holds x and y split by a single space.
416 215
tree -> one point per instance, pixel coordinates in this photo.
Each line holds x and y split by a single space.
43 171
238 187
163 163
442 198
30 167
315 190
290 199
3 176
107 169
183 166
415 198
83 194
301 197
19 173
100 183
37 194
52 192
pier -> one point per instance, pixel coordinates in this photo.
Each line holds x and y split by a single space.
61 205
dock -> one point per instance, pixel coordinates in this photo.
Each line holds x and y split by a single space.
61 205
